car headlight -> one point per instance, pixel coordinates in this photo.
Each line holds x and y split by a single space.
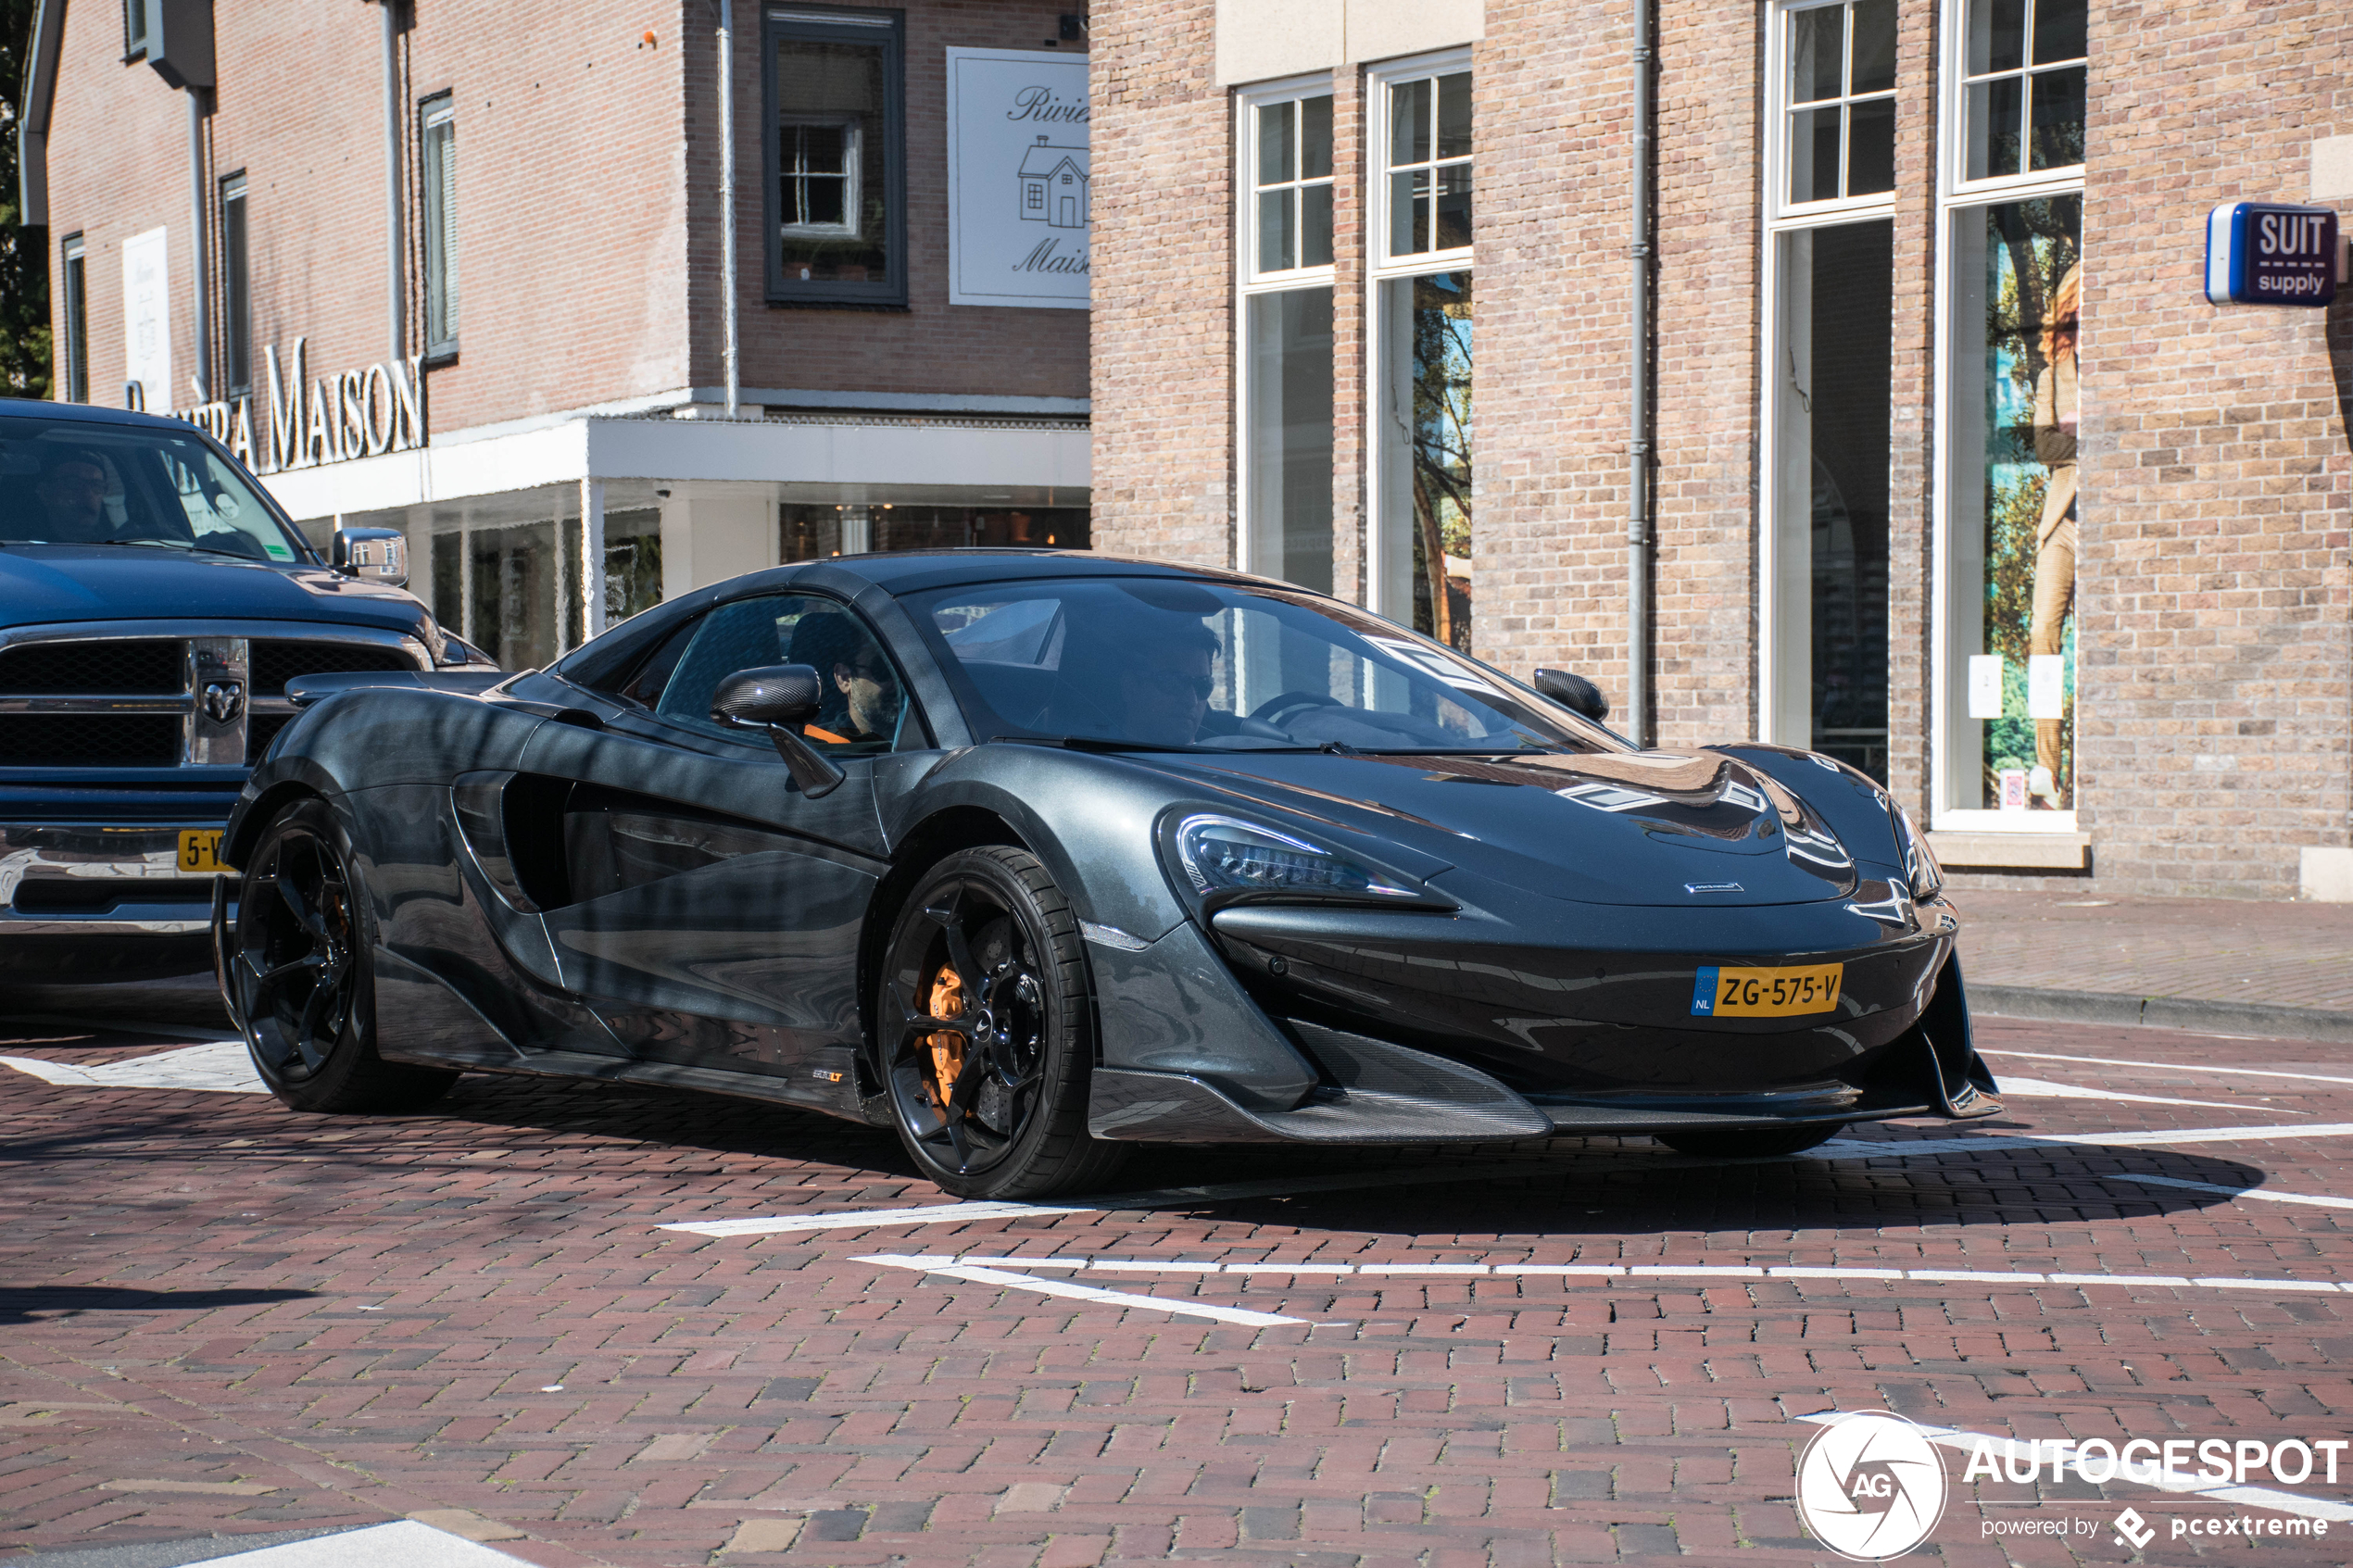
1919 861
1226 858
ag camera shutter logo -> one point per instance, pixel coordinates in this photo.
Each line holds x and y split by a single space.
1870 1487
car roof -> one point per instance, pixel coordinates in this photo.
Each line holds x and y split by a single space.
85 413
915 572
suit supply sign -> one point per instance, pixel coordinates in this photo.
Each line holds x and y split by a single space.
2266 252
1017 178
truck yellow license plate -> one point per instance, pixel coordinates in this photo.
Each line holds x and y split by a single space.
200 851
1765 993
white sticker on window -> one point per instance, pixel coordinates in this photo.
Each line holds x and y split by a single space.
2046 686
1985 686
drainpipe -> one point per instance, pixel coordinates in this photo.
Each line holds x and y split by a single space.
397 293
727 203
1638 451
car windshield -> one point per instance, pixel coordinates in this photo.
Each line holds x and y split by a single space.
70 482
1167 663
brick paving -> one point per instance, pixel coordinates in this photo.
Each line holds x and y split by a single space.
2209 950
218 1316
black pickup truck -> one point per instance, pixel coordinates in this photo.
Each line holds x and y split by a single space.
154 603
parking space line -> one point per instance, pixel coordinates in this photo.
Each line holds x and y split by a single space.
2172 1066
2043 1089
2314 1199
2062 1450
1994 1143
1010 1281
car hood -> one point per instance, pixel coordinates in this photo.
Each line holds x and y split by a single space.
1651 828
41 583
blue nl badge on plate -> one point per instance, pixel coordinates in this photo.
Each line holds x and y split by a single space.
1703 992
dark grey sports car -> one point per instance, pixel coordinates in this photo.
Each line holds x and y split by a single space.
1032 856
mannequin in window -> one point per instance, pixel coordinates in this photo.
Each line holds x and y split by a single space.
2055 421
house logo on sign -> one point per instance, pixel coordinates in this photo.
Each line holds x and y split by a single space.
1053 185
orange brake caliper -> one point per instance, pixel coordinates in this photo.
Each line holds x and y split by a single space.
946 1000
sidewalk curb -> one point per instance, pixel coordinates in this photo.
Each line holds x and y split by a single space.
2163 1012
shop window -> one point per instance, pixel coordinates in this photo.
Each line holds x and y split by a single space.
1421 538
74 315
438 141
1840 80
815 531
835 153
236 287
2023 87
1284 182
513 593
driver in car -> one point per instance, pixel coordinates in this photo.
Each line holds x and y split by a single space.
863 704
72 494
1165 681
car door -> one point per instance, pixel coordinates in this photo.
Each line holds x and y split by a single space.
713 908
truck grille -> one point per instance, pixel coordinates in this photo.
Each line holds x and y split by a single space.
141 702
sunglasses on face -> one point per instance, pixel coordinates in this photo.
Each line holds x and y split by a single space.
1176 683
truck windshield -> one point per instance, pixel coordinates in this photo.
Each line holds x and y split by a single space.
69 482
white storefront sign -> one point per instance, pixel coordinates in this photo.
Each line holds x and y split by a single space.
353 414
146 317
1017 178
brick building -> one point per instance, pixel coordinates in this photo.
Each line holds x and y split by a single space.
260 218
1953 470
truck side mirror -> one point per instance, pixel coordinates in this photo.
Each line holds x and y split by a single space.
380 555
1573 691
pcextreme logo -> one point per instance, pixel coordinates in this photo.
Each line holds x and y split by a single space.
1870 1487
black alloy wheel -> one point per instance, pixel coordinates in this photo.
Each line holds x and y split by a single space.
298 971
985 1030
1753 1143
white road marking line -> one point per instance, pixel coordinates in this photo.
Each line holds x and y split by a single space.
2149 1473
936 1262
136 1027
2040 1088
221 1067
931 1214
2173 1066
1991 1143
1007 1280
2315 1199
403 1544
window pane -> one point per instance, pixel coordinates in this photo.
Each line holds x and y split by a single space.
1996 35
1426 460
1813 155
76 316
2059 31
514 608
236 293
2015 316
1454 114
1874 66
1316 226
1454 217
1290 436
1817 44
830 209
1409 212
1409 109
1831 544
1277 241
1275 150
1871 152
1316 138
2059 118
1995 109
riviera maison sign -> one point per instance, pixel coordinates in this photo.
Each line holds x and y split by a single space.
1017 178
352 414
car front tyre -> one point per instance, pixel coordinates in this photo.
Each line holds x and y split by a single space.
1759 1143
298 972
986 1034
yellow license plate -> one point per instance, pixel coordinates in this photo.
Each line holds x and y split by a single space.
1765 993
200 851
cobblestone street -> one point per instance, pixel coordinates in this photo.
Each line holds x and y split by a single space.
221 1316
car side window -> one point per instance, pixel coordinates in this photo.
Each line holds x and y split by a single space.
865 708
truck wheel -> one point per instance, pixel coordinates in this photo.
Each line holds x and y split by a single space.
1751 1144
986 1037
299 973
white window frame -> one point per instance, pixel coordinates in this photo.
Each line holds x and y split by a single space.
1778 102
1381 528
1249 280
1957 196
852 174
1784 216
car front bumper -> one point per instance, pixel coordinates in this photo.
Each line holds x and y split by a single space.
102 901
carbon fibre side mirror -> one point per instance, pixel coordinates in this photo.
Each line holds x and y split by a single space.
1573 691
780 698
